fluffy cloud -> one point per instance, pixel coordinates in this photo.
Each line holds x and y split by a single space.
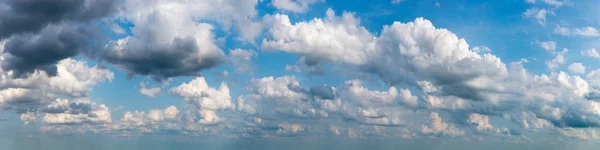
333 39
204 100
74 79
169 41
548 45
28 117
151 92
559 60
438 126
577 68
297 6
416 45
62 111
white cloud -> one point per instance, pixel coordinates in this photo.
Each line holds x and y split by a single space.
591 53
438 126
559 60
151 92
335 38
481 122
296 6
396 1
583 31
537 14
74 79
199 93
203 100
548 45
28 117
63 111
171 112
577 68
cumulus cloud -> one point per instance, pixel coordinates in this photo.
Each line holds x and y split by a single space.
74 79
335 38
296 6
548 45
63 111
28 117
438 126
204 100
169 41
577 68
151 92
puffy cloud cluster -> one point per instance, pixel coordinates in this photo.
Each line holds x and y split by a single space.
63 111
204 100
74 79
167 39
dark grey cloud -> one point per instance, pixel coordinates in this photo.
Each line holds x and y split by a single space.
323 91
39 33
31 16
28 52
180 58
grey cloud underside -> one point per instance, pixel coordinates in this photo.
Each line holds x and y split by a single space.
163 61
28 52
39 33
31 16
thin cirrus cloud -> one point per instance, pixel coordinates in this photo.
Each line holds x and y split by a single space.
409 79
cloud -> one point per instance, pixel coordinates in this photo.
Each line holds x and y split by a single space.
548 45
296 6
556 3
333 39
33 15
559 60
438 126
538 15
481 122
591 53
396 1
74 79
40 33
151 92
169 41
583 31
62 111
242 60
28 117
577 68
204 100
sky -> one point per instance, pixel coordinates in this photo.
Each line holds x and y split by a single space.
299 74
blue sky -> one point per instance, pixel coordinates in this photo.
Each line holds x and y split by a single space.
315 74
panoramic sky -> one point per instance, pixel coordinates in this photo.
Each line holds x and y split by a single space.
299 74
